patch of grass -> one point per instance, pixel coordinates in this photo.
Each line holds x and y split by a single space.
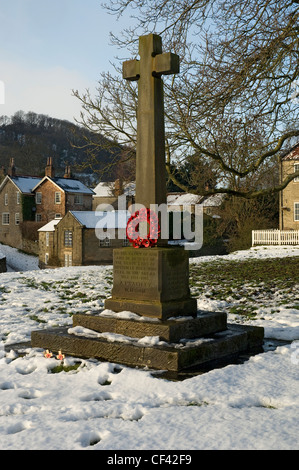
248 285
35 318
63 368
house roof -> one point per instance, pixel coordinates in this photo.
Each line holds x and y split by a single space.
104 189
97 219
24 183
68 185
185 199
50 226
292 154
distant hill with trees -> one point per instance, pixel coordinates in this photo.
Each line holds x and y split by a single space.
31 138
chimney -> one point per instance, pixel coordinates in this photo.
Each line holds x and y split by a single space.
118 187
49 171
11 169
67 172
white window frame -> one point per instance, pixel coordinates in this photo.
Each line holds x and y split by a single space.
38 217
105 242
38 198
17 218
57 197
5 218
47 238
6 199
46 258
296 168
57 216
68 238
296 211
18 197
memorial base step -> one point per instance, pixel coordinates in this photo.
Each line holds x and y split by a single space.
170 356
171 330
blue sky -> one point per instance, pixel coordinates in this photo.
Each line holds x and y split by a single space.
48 48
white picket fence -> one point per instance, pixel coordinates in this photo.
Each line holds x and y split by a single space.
275 237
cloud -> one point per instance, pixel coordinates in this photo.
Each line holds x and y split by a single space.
41 90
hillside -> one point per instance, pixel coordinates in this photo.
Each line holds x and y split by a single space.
31 138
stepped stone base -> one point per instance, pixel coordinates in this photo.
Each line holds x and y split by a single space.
174 355
163 329
169 330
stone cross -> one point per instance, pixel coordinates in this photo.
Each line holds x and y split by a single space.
150 148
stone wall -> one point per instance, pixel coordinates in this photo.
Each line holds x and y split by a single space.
48 208
10 234
289 196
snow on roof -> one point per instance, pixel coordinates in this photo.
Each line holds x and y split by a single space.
105 189
50 226
184 199
72 186
25 183
293 154
213 201
68 185
97 219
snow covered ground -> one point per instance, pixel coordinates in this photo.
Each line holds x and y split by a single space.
103 406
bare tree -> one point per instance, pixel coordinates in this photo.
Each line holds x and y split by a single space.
233 103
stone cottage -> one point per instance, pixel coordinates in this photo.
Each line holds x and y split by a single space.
54 197
28 202
289 197
17 210
82 238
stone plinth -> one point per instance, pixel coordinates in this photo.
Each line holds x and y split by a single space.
152 282
165 356
169 330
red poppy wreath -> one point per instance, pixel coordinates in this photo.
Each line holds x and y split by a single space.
143 215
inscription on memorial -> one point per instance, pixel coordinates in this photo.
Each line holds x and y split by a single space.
147 274
134 274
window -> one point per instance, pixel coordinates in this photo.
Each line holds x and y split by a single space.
18 197
57 197
47 239
38 198
57 216
68 238
296 211
125 242
46 258
296 168
38 217
78 199
5 218
105 242
6 199
17 218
